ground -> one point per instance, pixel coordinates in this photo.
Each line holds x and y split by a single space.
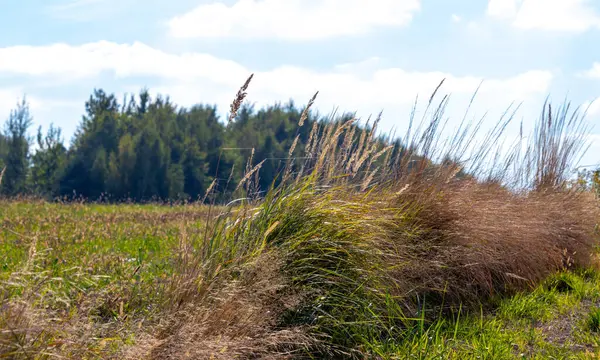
92 281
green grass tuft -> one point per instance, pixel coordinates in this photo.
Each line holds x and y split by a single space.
594 320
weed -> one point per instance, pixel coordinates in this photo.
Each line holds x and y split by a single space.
594 320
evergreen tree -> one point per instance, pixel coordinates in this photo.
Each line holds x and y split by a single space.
149 178
269 169
96 138
48 162
148 148
194 170
3 150
98 174
16 161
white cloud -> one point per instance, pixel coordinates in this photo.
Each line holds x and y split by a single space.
594 72
125 60
502 9
361 68
189 78
553 15
292 19
137 59
456 18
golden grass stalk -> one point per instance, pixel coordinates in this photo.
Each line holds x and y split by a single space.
239 99
293 147
249 174
209 190
304 115
330 140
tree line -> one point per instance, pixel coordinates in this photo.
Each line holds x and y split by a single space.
149 149
144 148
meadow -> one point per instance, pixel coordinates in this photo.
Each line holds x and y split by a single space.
451 249
87 281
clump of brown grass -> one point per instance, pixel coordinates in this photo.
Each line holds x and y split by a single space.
22 334
238 319
475 241
369 231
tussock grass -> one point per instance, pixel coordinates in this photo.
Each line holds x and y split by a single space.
366 249
373 246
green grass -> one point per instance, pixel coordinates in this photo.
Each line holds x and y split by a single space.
594 320
98 267
542 324
106 269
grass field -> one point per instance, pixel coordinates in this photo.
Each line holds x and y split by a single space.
356 254
93 281
84 277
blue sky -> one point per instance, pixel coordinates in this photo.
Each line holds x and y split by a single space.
362 56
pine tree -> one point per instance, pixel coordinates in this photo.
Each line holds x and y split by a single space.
48 162
96 138
16 161
3 151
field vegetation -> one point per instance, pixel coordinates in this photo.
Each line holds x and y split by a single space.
429 248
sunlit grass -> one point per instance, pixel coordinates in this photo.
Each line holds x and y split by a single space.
102 267
108 268
356 254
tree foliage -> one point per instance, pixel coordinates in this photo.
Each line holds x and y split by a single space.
147 148
16 148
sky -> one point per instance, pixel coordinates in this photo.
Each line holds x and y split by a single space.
363 56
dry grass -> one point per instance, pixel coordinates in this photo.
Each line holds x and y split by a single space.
363 240
237 320
368 239
478 240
